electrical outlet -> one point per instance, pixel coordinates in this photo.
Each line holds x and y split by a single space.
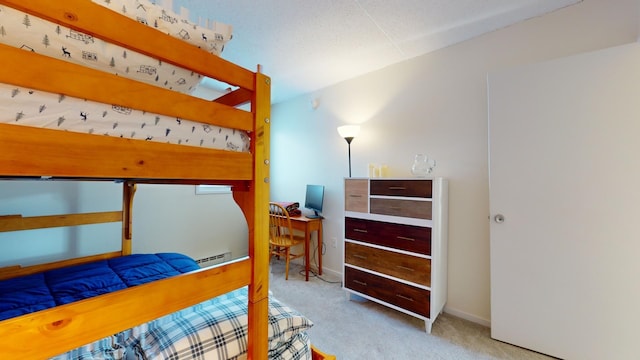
334 242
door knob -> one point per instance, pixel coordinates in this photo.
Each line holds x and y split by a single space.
499 218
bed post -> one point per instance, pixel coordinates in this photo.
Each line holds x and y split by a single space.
259 247
128 190
254 203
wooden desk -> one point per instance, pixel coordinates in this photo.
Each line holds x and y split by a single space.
303 223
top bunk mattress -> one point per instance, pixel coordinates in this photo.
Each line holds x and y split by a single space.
31 33
25 106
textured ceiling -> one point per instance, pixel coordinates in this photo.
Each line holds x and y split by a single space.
305 45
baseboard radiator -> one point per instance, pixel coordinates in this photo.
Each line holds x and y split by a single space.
215 259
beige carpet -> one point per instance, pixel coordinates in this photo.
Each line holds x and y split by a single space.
357 330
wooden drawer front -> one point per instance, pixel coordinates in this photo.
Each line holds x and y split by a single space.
405 296
409 188
398 236
356 195
406 267
404 208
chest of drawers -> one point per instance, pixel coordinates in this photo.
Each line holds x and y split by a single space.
396 244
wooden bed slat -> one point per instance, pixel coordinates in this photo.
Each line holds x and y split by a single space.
235 98
51 332
15 223
96 20
98 156
17 270
52 75
8 271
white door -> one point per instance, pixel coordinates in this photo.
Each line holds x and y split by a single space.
564 143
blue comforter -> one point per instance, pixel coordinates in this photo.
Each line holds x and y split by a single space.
36 292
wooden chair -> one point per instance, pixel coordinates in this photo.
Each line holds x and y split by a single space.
281 237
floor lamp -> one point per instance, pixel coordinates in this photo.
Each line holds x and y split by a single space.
348 132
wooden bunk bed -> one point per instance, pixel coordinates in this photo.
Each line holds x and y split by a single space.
28 152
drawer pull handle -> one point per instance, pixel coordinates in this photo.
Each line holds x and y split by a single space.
404 268
360 282
397 188
353 195
360 256
360 230
396 208
405 238
404 297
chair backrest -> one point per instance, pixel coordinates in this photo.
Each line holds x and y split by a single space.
279 224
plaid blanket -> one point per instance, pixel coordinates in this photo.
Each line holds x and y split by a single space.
214 329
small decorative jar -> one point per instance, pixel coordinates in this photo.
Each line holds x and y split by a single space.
422 165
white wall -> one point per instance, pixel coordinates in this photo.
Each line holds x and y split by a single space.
166 218
435 104
170 217
39 198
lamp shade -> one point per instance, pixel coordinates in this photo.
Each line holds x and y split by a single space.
349 131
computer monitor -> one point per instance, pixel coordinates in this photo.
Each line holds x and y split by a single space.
314 199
